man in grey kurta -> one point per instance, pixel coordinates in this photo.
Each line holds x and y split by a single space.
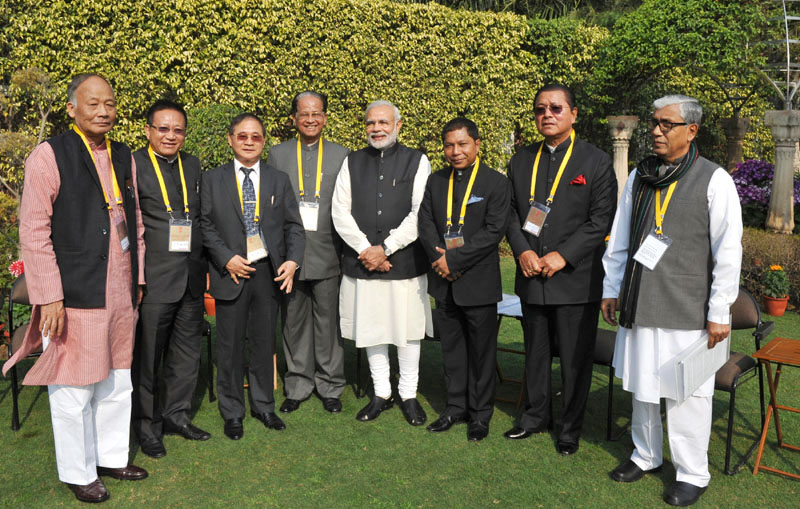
311 341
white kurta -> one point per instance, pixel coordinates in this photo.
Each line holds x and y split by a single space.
375 312
644 356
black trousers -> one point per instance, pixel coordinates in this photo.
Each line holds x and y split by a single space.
253 314
469 352
568 331
171 333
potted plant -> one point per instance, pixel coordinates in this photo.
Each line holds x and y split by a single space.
776 290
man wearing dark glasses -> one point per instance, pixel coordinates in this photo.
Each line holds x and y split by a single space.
462 219
672 271
254 238
563 201
171 315
311 341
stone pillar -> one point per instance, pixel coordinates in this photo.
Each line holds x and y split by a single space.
735 129
621 129
785 127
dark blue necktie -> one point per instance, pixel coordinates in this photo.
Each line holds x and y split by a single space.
249 199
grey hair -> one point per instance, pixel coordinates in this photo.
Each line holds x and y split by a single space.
690 108
77 81
381 102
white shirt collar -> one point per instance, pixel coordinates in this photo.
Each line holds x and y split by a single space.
238 166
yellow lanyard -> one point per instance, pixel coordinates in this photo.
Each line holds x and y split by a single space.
241 200
560 169
163 187
464 201
661 211
300 168
117 193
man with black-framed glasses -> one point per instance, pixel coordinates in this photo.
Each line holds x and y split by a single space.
672 271
254 238
171 314
563 201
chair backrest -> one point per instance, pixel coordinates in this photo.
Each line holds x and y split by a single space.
745 313
18 295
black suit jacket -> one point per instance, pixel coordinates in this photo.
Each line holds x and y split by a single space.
477 261
223 227
168 273
579 220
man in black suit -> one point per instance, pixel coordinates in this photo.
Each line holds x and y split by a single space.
462 219
254 237
563 202
171 314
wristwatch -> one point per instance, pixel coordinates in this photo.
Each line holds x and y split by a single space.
386 250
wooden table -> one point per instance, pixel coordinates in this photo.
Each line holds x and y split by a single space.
782 351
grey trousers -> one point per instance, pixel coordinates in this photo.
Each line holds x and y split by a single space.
312 343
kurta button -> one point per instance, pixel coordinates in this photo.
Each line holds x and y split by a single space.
105 232
552 158
103 257
380 231
379 212
380 177
546 225
380 195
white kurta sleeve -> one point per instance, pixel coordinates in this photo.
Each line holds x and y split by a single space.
725 234
407 232
616 255
341 206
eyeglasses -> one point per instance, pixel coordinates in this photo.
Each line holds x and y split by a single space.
665 125
555 109
163 131
243 137
309 115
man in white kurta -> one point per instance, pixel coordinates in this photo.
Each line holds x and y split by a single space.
644 354
383 298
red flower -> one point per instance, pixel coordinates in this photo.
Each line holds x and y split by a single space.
17 268
580 180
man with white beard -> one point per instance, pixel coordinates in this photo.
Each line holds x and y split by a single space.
383 297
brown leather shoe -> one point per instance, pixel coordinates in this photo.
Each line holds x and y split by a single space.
129 473
93 492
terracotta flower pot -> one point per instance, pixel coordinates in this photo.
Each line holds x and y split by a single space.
210 304
775 306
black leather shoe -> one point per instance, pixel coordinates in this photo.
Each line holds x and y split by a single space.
271 421
153 447
413 412
290 405
630 472
332 405
129 473
517 433
477 431
445 422
682 494
234 429
566 448
374 409
93 492
187 431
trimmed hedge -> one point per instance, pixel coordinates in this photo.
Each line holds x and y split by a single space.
433 62
762 249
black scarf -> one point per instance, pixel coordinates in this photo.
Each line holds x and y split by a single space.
644 187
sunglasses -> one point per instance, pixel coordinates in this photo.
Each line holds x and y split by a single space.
555 109
162 130
243 137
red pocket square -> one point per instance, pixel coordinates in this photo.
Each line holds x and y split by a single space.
580 180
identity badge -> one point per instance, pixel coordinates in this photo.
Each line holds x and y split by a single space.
652 249
453 240
537 215
180 235
309 213
122 231
255 248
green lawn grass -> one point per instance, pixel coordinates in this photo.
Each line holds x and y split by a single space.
324 460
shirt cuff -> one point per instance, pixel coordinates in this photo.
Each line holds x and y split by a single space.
721 316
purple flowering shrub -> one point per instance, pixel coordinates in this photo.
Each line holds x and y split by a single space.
753 179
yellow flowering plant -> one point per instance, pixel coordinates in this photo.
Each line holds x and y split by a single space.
776 284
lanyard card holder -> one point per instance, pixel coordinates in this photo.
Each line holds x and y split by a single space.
537 215
652 249
255 248
122 230
309 213
453 240
180 235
